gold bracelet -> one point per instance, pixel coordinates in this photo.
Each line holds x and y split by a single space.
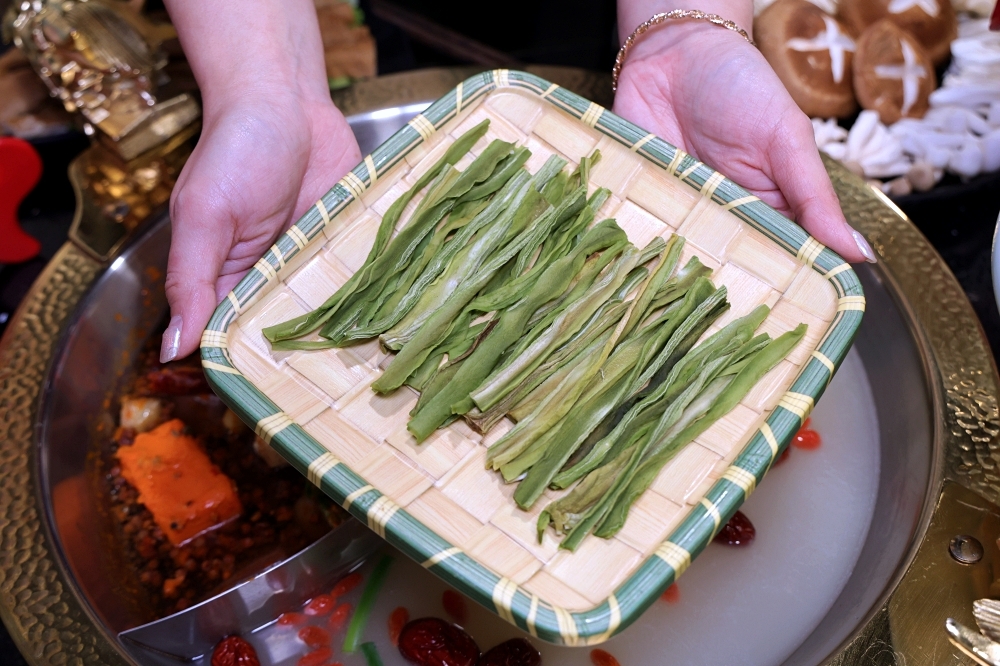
657 19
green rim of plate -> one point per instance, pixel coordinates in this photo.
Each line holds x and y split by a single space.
524 609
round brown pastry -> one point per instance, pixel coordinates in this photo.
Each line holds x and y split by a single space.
892 73
932 22
812 54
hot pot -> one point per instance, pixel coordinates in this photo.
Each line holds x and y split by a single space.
933 390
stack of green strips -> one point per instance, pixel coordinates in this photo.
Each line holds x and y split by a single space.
502 297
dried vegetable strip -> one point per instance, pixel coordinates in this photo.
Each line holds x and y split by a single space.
504 299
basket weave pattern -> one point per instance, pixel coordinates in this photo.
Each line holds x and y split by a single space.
443 483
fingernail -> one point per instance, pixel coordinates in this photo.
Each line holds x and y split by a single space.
171 339
863 246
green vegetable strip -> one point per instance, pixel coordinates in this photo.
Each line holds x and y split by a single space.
415 351
729 392
458 342
371 654
464 255
554 280
679 377
603 398
386 268
309 322
365 604
665 269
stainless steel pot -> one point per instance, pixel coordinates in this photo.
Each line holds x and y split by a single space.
934 384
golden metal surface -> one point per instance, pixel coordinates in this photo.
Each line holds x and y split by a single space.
46 620
51 626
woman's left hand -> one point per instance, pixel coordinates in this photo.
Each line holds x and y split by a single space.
708 91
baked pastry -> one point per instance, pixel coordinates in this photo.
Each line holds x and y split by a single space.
812 54
932 22
892 73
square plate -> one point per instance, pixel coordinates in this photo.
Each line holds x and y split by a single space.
436 501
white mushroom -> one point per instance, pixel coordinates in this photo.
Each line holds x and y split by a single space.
991 151
968 161
141 414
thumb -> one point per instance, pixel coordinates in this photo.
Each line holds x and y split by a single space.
799 173
197 253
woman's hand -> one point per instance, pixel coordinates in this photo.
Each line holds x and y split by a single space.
708 91
272 143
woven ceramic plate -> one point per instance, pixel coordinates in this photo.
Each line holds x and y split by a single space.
436 501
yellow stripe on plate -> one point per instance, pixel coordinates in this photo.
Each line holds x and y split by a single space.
738 476
266 269
218 367
372 173
319 467
712 511
353 497
675 163
235 301
501 77
379 514
614 621
532 616
503 598
642 142
215 339
440 557
567 626
809 251
299 238
690 170
739 202
836 270
822 358
458 98
769 437
551 89
424 127
323 212
678 558
592 114
711 184
851 303
799 404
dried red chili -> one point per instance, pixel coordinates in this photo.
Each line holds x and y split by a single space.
515 652
321 604
739 531
454 606
346 584
339 617
316 657
601 658
397 620
314 636
234 651
430 641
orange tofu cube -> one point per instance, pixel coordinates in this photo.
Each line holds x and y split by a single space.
178 483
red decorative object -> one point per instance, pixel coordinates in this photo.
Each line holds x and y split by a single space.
20 169
345 585
672 594
995 20
515 652
321 604
316 657
339 617
430 641
807 438
234 651
601 658
454 606
739 531
314 636
290 619
397 620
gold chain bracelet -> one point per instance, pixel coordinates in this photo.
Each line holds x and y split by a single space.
663 17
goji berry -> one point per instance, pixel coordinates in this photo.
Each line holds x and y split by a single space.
314 636
601 658
320 605
346 584
672 594
289 619
316 657
340 617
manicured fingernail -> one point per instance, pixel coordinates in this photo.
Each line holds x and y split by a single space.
864 247
171 339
